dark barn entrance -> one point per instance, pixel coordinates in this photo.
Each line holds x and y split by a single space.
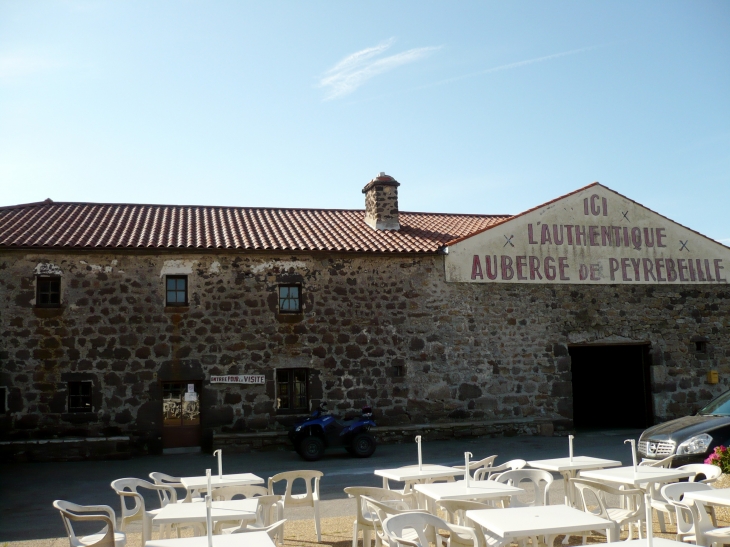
611 386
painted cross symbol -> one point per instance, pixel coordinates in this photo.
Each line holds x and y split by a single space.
684 245
625 214
509 240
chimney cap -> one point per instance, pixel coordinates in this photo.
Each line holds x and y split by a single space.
381 180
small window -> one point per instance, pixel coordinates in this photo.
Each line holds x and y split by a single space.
701 347
290 299
399 371
3 400
291 389
48 294
177 290
79 397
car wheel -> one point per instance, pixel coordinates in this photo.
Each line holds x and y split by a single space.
311 448
363 445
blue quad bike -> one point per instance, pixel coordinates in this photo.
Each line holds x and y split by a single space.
312 436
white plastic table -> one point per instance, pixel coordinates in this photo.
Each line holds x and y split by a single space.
514 523
715 496
478 490
410 473
569 469
250 539
644 475
657 542
200 484
177 513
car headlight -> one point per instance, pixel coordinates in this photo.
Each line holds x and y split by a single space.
299 428
695 445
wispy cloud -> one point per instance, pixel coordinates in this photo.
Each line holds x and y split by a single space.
19 65
357 68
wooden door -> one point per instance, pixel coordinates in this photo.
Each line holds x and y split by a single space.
181 414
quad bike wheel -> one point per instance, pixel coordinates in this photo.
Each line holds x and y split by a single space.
311 448
363 445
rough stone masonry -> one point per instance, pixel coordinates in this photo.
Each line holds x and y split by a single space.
381 330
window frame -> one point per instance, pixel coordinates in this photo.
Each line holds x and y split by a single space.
300 308
40 279
291 396
176 290
79 409
3 400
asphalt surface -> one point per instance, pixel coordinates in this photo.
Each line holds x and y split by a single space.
28 490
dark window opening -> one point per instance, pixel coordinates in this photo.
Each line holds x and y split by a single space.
701 347
291 389
48 293
399 371
3 400
290 299
79 397
177 290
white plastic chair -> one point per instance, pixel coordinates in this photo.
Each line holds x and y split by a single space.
275 531
426 525
662 506
308 499
593 498
666 462
456 510
364 520
710 472
686 522
540 480
226 493
106 537
702 530
480 464
174 482
127 488
488 473
264 510
380 510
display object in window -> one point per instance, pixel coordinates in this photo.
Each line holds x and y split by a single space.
48 293
291 390
290 300
176 290
79 397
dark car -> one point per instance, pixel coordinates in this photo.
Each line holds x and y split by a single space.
690 439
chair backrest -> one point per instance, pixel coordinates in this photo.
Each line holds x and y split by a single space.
381 510
127 488
71 512
273 530
167 480
456 509
364 516
710 472
311 480
425 525
486 473
480 464
593 498
227 493
539 479
666 462
686 519
263 509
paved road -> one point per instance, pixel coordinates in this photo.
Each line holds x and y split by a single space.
29 489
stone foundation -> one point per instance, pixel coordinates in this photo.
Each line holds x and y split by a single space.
66 450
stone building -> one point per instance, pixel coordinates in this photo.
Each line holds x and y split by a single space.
160 327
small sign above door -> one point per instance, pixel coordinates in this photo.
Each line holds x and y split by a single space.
239 379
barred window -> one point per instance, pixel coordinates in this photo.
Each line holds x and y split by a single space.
291 387
290 299
48 291
79 396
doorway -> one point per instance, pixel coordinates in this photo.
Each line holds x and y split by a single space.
181 425
611 386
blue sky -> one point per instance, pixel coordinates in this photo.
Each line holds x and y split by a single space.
478 107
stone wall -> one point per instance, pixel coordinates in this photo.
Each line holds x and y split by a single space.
466 351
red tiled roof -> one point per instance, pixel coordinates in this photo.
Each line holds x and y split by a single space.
127 226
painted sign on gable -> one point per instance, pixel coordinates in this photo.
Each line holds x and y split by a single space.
592 236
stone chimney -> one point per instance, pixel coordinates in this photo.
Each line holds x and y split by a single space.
381 203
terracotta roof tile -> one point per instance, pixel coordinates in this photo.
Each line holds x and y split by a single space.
128 226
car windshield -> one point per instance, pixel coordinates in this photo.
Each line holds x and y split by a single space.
718 407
